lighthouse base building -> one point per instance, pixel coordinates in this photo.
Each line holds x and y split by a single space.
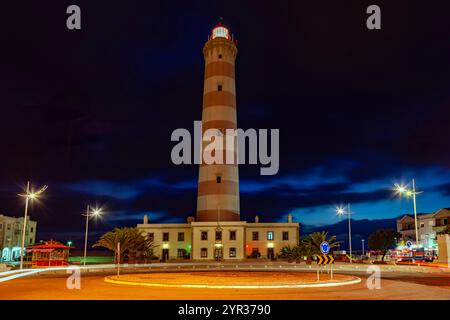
226 240
217 232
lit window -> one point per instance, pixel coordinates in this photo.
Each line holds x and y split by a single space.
204 253
285 235
180 236
255 235
204 235
220 32
232 235
165 236
269 235
232 252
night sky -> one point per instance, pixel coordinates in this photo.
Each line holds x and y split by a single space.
90 112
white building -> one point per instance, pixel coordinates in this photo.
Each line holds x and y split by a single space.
221 240
428 227
11 236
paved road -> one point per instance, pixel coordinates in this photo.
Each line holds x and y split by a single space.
393 286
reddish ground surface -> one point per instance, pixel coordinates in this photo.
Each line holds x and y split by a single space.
93 287
232 278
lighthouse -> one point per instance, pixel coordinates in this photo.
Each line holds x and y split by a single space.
217 232
218 183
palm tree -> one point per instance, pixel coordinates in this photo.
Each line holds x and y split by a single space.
315 239
132 240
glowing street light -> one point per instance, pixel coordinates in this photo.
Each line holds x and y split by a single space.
401 190
29 195
89 213
340 211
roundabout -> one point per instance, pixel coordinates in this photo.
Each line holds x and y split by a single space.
234 280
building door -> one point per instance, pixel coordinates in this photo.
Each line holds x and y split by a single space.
165 254
218 254
270 254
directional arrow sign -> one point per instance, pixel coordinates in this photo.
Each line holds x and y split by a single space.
325 259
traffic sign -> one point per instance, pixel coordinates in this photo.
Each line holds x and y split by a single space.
324 247
325 259
408 244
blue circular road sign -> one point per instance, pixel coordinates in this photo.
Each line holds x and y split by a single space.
408 244
324 247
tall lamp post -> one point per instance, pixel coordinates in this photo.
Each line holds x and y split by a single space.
362 240
340 212
401 190
29 195
89 213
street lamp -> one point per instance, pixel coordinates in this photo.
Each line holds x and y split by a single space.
340 212
89 213
29 195
401 190
362 240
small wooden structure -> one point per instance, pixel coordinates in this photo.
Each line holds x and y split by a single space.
50 254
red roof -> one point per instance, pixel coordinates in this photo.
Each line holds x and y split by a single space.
51 245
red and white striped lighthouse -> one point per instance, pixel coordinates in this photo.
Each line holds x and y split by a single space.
218 185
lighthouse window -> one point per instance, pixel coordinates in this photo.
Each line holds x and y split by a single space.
220 56
219 87
219 179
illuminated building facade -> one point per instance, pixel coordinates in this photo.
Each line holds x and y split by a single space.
217 232
428 226
11 237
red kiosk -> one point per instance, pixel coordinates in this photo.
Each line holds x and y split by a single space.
50 254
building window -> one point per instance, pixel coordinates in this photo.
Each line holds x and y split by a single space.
218 235
204 235
219 179
269 235
285 235
422 225
255 235
165 236
181 253
8 227
151 236
232 235
204 253
232 252
445 222
219 87
180 236
220 56
31 241
1 226
31 229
